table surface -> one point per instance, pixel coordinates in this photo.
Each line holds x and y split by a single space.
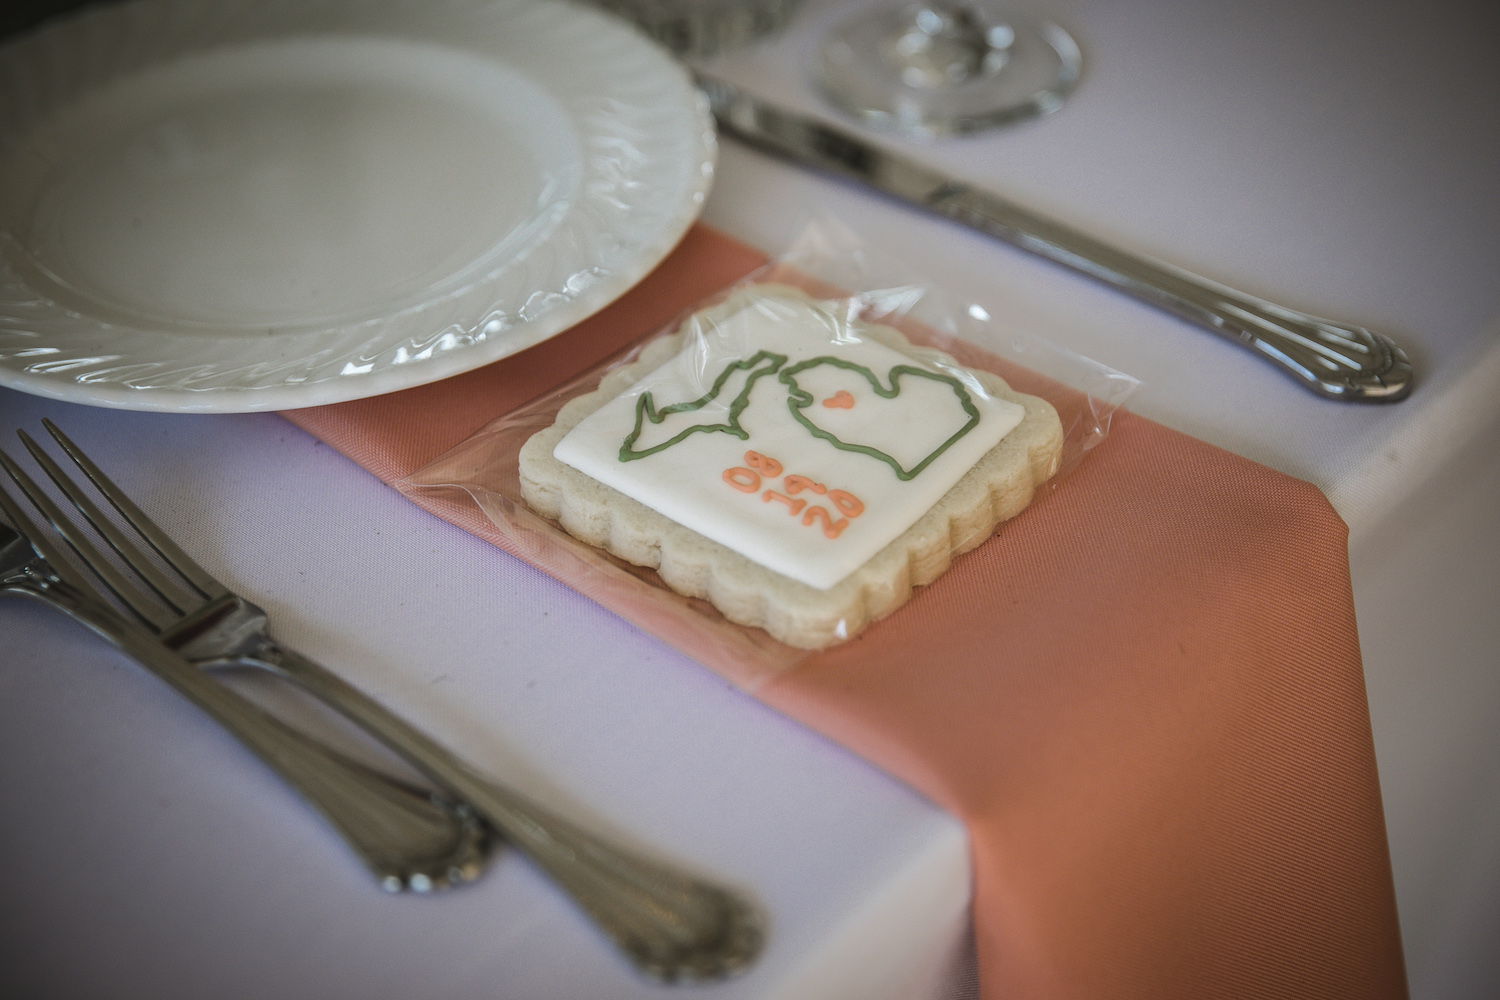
1323 155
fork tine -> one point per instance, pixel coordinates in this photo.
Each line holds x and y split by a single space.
139 603
179 560
36 538
166 588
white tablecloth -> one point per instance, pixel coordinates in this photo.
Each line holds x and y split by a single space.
1325 155
1336 157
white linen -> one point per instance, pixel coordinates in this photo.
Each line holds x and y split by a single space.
1324 154
145 854
1330 156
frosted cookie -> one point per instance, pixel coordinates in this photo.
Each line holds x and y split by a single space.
799 469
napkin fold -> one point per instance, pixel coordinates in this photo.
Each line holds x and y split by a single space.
1144 698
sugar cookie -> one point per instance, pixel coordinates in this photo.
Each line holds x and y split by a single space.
799 469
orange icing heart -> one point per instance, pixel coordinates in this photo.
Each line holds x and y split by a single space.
840 400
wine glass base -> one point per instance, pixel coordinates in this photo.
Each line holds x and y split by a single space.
702 28
942 69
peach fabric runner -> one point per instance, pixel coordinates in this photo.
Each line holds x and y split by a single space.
1145 699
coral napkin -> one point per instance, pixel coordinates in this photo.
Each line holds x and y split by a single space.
1147 704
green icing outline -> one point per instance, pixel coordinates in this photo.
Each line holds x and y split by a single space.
645 407
799 398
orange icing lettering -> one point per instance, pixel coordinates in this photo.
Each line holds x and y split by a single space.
796 484
749 481
743 479
768 466
831 528
793 505
848 504
840 400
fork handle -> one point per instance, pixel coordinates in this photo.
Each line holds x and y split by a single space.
672 925
407 837
1336 360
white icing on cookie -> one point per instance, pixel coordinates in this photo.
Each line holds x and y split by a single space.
792 436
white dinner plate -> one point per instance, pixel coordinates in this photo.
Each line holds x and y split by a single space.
241 205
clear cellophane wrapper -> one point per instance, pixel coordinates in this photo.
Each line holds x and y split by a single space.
850 284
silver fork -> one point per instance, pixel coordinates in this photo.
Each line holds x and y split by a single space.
673 925
408 837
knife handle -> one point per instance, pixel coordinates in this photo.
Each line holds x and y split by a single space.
672 924
1334 359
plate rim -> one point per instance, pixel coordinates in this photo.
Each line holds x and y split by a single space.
625 275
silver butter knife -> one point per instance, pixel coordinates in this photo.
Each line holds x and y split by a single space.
1335 360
